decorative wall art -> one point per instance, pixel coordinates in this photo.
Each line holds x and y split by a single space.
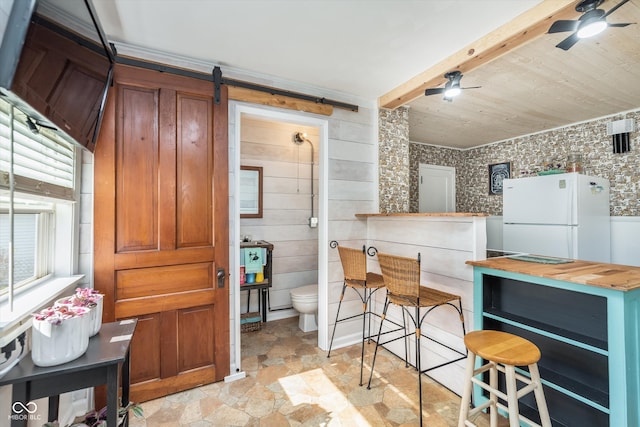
497 173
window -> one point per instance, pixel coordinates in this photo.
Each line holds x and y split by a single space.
37 177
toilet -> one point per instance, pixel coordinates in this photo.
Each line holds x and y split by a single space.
305 301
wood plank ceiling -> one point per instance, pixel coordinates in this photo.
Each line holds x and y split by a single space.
530 88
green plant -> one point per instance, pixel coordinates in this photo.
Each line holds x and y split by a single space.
99 418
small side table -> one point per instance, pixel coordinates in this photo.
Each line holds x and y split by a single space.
99 365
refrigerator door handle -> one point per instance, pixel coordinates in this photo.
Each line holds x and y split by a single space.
572 206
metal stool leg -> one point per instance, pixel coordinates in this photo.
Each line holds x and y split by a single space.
364 326
418 360
344 287
406 340
375 352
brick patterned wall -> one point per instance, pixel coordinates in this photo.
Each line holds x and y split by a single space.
527 155
394 168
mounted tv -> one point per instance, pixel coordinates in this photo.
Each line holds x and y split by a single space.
56 67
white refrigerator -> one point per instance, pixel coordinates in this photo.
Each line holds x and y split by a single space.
563 215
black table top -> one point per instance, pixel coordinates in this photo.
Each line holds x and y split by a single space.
107 347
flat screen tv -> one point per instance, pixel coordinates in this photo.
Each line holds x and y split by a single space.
56 67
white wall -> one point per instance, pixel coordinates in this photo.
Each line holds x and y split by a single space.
494 232
625 245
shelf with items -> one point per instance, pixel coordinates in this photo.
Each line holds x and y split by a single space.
261 253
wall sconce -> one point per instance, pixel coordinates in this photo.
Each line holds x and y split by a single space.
620 130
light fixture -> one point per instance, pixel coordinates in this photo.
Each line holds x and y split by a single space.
452 91
591 27
300 137
620 131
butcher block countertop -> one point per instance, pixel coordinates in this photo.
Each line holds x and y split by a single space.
419 214
610 276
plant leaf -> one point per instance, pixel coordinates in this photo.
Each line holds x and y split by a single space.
137 410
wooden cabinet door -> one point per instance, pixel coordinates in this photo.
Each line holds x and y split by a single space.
161 227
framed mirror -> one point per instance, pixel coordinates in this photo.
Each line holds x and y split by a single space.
250 192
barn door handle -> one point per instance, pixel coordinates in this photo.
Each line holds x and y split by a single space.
220 276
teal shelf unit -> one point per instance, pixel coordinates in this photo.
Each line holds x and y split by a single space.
589 338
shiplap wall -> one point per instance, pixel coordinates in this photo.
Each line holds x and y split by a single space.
286 175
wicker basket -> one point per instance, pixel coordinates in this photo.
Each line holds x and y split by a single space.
248 324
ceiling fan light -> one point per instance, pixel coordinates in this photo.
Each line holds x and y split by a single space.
590 29
452 91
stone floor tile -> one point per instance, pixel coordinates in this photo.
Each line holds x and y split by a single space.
291 382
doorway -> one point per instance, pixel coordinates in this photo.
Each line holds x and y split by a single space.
437 186
264 137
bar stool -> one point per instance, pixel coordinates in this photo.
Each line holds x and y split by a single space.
356 277
401 277
503 352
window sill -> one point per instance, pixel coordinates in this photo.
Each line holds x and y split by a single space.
13 323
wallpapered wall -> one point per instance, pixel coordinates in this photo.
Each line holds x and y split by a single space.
527 155
393 162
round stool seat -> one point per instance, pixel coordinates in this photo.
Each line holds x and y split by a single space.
502 347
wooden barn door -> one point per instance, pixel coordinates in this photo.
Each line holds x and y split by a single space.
161 227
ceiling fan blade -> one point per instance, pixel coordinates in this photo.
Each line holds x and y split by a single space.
621 24
434 91
471 87
562 26
567 43
614 8
45 125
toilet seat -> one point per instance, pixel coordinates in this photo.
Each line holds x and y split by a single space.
307 292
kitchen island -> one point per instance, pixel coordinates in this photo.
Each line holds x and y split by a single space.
584 317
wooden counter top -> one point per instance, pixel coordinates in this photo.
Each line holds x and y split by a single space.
610 276
408 214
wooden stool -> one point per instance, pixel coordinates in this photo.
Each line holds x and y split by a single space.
503 352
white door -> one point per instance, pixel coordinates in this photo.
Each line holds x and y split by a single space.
437 188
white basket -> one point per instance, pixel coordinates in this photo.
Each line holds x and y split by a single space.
57 344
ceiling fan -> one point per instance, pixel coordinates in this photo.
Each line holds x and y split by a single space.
592 22
451 88
31 124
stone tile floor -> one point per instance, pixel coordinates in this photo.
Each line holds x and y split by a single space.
291 382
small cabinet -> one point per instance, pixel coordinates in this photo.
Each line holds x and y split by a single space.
264 252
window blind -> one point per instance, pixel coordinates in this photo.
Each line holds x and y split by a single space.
43 165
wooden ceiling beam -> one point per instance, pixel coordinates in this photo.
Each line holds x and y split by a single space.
522 29
280 101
